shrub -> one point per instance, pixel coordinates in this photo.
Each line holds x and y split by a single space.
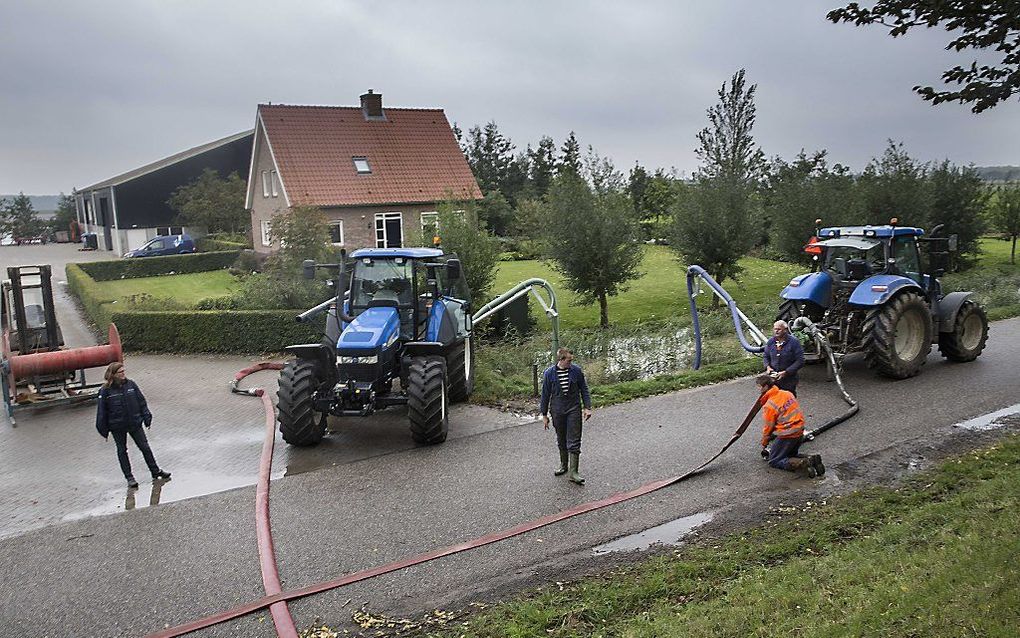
248 262
239 331
155 266
208 244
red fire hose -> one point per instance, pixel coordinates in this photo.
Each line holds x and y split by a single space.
276 600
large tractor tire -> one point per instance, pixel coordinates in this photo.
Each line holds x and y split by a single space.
428 399
791 309
970 332
897 336
460 367
299 424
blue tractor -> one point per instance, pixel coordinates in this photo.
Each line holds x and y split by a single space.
406 316
872 293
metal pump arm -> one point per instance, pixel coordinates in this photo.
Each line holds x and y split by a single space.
521 289
739 318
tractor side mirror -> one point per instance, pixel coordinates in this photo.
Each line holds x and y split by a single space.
954 240
453 270
308 268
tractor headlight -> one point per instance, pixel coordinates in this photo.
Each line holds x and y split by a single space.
372 359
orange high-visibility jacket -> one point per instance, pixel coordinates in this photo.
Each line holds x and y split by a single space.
782 415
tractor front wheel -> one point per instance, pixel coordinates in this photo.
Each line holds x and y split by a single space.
897 336
300 424
460 365
970 332
428 398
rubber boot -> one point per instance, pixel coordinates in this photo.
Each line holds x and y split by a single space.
563 464
574 477
815 460
799 465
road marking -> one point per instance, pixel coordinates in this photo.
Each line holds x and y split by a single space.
988 421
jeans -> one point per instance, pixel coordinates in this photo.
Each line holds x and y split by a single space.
781 450
138 434
568 430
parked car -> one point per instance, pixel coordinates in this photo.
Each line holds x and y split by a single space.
164 245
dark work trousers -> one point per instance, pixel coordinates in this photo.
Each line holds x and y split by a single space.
568 430
138 434
781 450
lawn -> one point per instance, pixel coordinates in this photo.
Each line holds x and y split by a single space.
186 290
659 294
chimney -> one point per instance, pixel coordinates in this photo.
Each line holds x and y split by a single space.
371 106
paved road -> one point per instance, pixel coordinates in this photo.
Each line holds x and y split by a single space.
128 574
374 498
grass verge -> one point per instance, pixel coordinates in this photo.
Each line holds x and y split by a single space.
935 557
184 290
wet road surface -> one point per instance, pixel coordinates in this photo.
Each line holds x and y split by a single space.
135 572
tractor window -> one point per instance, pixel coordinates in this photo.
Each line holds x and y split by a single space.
908 261
381 279
837 259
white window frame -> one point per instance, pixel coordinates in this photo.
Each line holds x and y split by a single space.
265 184
357 169
339 223
169 230
380 232
433 219
273 179
265 227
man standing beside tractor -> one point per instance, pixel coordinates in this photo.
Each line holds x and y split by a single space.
564 389
783 357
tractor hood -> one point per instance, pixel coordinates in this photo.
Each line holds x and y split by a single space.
372 330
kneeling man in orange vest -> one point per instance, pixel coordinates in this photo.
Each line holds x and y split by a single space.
785 421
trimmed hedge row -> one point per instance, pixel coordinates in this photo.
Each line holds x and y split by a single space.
236 331
155 266
209 245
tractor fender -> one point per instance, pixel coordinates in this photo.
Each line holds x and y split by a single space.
322 355
442 326
947 308
865 294
815 287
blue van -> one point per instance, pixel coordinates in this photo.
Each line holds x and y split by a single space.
164 245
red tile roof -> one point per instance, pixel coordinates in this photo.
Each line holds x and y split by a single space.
413 155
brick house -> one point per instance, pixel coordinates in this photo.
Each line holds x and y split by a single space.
378 174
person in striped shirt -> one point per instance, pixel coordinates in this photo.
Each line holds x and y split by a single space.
565 394
784 421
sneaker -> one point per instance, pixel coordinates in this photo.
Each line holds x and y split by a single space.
161 475
132 483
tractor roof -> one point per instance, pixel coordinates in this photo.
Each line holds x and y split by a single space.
869 231
407 253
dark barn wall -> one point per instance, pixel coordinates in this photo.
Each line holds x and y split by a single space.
142 202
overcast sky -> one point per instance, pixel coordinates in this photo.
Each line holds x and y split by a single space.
92 89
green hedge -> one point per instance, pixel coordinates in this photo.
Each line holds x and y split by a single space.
209 244
89 294
237 331
155 266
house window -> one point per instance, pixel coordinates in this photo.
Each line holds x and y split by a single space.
169 230
265 227
265 183
361 165
430 224
389 230
336 232
273 179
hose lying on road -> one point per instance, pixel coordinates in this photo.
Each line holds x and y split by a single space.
282 619
280 598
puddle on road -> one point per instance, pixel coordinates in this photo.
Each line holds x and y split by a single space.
990 421
670 533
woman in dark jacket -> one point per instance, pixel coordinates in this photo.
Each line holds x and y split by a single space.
122 411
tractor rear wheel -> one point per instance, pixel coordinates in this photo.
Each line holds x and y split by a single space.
897 336
970 332
460 366
428 397
300 424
